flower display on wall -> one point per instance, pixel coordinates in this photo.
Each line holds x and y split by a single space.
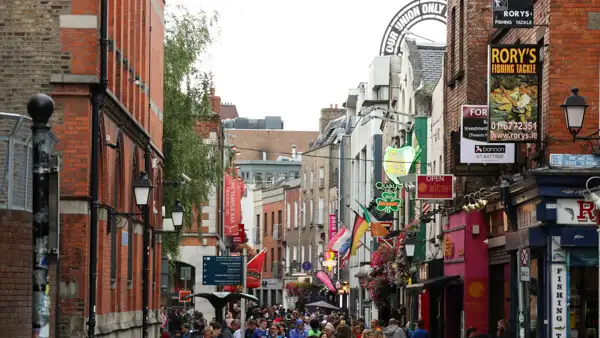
296 288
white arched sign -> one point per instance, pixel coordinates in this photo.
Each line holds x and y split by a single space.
410 15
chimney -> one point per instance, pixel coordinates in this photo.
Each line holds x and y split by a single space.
264 155
215 102
293 151
330 106
336 106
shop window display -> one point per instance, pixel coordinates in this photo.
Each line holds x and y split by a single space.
583 293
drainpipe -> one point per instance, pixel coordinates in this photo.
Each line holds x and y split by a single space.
97 91
146 253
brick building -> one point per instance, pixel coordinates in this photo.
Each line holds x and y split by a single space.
273 237
569 58
60 55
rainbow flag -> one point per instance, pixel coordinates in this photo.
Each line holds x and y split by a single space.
360 227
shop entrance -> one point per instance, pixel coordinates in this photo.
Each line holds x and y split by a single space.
454 308
583 287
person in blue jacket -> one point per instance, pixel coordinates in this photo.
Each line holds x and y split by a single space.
299 331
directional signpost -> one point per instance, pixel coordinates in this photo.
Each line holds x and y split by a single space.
222 270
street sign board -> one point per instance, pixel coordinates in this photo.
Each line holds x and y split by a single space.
222 270
525 274
579 161
524 257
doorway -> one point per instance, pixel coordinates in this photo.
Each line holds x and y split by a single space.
454 309
583 289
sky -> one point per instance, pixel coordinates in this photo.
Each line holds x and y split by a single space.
290 59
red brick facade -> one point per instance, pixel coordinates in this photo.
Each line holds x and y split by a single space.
571 59
274 212
64 54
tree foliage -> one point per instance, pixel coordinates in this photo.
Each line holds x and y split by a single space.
186 103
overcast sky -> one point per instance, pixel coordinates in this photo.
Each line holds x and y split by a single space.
290 59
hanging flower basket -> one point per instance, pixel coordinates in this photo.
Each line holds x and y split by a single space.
379 289
295 289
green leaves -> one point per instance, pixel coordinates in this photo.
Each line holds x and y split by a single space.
186 108
388 202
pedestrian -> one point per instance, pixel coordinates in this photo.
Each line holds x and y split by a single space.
407 329
379 334
393 330
366 333
330 330
375 325
274 331
197 329
314 328
344 331
217 329
261 330
502 331
207 332
185 330
420 332
250 328
299 331
234 328
228 331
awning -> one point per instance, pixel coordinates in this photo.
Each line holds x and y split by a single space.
434 282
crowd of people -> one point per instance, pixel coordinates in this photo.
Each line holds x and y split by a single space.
276 322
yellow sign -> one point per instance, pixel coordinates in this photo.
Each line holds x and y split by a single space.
513 93
448 247
397 162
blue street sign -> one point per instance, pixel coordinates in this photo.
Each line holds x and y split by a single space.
575 161
222 270
306 266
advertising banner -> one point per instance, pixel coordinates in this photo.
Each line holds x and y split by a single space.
332 226
474 147
513 13
232 205
435 187
513 93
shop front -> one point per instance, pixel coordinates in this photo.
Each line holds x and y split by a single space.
556 243
429 295
466 273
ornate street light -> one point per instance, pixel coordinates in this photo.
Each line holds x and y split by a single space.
177 215
574 108
141 189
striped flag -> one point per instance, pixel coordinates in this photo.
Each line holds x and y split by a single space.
360 227
346 258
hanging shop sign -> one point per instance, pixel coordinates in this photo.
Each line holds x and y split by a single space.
513 14
397 162
232 206
448 247
410 15
435 187
387 186
388 202
474 147
513 93
571 211
559 310
333 228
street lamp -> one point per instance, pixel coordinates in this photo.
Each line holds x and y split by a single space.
574 108
141 189
177 215
409 245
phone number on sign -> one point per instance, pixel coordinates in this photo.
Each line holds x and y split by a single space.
512 125
489 156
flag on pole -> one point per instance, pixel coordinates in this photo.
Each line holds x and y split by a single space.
346 258
360 227
337 242
255 268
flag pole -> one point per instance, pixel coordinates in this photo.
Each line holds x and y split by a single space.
243 300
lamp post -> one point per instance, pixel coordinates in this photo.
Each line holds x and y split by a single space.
40 107
177 215
141 189
574 108
410 244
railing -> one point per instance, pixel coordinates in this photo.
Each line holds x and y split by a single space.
277 232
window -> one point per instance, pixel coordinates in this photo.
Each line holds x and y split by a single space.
321 210
434 167
272 257
302 258
265 225
310 257
452 42
296 174
311 215
280 217
304 214
440 170
288 216
295 215
312 180
258 222
269 178
113 222
279 254
130 248
266 261
461 40
272 222
321 177
258 177
287 256
295 253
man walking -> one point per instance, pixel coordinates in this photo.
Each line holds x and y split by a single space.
420 332
393 330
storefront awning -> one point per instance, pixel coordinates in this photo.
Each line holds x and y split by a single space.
434 282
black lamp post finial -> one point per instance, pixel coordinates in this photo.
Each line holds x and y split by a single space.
40 107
